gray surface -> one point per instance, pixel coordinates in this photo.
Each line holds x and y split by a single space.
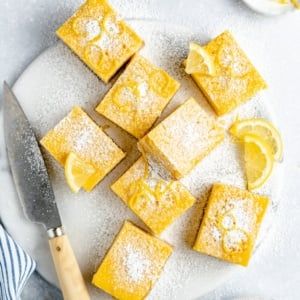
38 289
27 26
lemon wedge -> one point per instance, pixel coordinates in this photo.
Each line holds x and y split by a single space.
199 61
295 3
77 172
264 130
258 161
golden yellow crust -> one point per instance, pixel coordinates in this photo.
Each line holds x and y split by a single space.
79 134
132 265
138 97
231 223
156 201
183 139
235 80
100 38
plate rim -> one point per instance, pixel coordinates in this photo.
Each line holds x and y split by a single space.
276 10
185 28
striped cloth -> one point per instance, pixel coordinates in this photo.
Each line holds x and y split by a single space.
16 266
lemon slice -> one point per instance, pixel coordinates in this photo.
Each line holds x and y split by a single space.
199 61
77 172
262 128
258 161
296 3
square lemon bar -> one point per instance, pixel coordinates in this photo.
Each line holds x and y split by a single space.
235 80
183 139
100 38
138 97
79 134
231 223
132 265
156 201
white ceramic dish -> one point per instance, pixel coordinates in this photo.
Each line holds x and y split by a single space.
47 90
269 7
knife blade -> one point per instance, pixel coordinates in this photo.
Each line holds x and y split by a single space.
36 194
27 165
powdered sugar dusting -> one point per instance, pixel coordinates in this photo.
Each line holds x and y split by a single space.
87 27
216 234
137 99
82 141
78 133
62 81
136 264
242 212
234 239
111 26
227 222
143 89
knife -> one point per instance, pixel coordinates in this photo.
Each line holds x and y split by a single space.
36 194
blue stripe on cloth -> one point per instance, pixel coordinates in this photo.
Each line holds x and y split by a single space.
15 267
23 262
5 271
2 279
19 264
14 251
9 247
26 271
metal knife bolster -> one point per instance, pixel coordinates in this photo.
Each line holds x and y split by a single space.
55 232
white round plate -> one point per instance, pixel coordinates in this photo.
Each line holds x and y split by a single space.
269 7
47 90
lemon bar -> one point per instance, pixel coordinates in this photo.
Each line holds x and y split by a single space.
132 265
156 201
235 80
79 134
231 223
183 139
100 38
138 97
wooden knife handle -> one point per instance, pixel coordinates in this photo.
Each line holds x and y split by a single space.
69 275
